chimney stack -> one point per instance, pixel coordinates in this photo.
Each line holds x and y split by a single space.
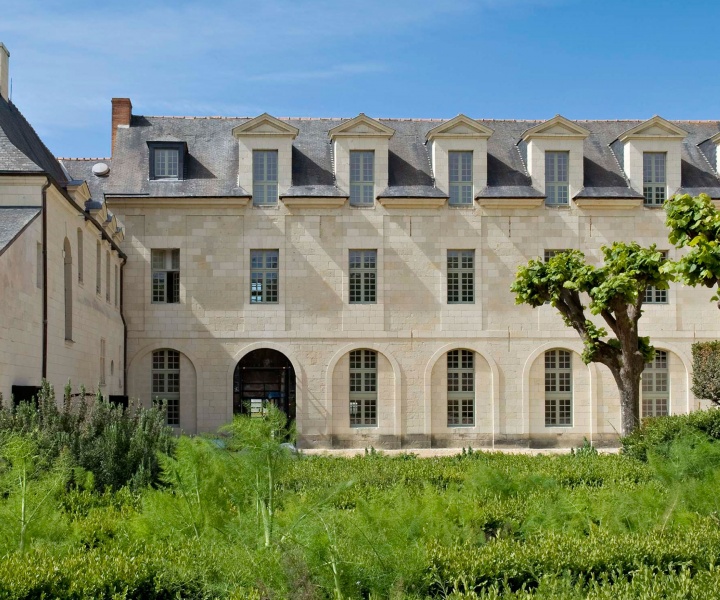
4 72
121 115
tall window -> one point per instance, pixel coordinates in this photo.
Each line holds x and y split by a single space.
166 382
461 387
265 177
655 295
166 163
655 390
461 276
363 276
362 177
102 361
165 276
67 259
98 268
80 255
264 269
363 388
654 180
461 180
558 388
107 277
556 178
117 285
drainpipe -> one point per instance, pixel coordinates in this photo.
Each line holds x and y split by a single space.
44 281
125 329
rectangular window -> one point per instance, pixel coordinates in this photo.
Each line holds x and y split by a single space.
165 276
654 295
461 178
98 268
39 266
264 270
558 388
363 276
265 177
654 179
655 386
107 277
362 177
363 388
166 382
557 188
166 163
460 388
461 276
80 255
102 361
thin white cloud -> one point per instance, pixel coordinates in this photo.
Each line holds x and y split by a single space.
331 72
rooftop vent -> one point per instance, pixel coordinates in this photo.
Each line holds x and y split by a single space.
101 170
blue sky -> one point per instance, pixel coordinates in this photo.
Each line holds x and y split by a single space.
518 59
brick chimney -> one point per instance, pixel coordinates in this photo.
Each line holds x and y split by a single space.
121 114
4 72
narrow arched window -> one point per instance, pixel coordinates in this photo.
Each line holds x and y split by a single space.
67 256
363 388
655 388
81 273
460 387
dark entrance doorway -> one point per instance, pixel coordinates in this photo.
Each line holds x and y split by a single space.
264 376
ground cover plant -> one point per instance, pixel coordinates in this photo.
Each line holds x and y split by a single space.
240 515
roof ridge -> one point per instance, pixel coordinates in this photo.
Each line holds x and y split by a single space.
82 158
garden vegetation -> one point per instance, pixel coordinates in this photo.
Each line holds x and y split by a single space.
97 501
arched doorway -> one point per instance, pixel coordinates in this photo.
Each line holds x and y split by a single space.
263 376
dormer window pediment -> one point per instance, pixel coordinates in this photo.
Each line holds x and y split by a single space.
265 157
651 158
360 158
555 158
459 158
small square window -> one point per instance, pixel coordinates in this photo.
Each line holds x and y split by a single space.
167 160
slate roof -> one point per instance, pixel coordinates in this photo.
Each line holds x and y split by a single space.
13 220
212 161
21 149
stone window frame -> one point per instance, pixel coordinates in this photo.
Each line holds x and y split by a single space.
362 189
265 276
461 388
165 275
460 177
362 276
460 276
363 388
557 178
654 179
264 185
655 386
165 382
558 388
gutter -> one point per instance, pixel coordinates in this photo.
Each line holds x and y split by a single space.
125 329
45 280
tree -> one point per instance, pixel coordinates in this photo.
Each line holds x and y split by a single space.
694 223
616 291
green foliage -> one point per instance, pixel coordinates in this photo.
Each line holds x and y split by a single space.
659 432
706 370
694 223
117 446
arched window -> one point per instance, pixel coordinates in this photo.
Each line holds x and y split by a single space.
363 388
655 389
460 388
166 382
81 273
98 268
558 388
67 256
107 277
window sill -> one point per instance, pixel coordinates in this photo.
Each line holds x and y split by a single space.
462 426
69 342
363 426
562 427
274 206
558 206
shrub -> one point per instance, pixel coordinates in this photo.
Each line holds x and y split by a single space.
706 370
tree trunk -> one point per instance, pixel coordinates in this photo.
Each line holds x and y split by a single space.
628 382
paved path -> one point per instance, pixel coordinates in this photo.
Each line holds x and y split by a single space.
428 452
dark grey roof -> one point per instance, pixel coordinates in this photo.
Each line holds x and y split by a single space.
212 160
13 220
713 192
81 169
21 150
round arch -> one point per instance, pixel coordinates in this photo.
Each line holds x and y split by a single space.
397 388
494 383
686 362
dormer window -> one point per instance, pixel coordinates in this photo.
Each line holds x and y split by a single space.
461 178
654 180
362 177
166 160
557 185
265 177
